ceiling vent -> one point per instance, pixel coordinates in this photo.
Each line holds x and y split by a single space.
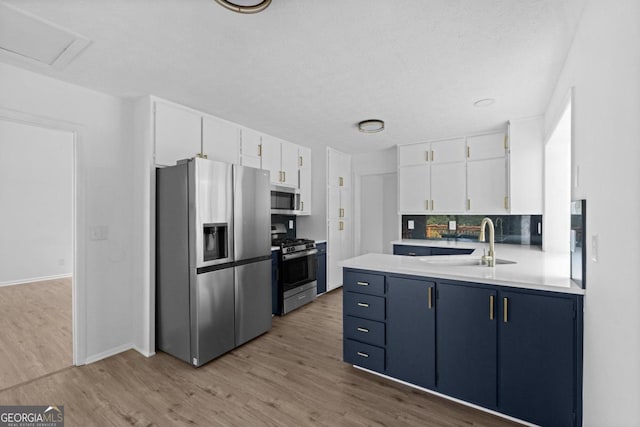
26 38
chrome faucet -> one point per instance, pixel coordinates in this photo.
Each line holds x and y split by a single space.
491 258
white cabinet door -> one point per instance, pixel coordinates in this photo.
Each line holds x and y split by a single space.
334 203
220 140
339 169
178 134
345 204
271 158
335 250
289 164
486 146
451 150
415 154
250 148
448 187
487 186
304 171
414 191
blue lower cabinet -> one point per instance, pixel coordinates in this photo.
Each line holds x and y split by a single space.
322 267
538 377
467 343
365 355
411 331
514 351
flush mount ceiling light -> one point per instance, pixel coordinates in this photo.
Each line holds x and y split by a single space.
371 126
481 103
245 6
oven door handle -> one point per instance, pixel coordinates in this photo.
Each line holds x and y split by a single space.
287 257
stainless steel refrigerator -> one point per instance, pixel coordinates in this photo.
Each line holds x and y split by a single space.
213 258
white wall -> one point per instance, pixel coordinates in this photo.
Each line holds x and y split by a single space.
36 182
102 126
603 67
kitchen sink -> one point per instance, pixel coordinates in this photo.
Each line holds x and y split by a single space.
458 261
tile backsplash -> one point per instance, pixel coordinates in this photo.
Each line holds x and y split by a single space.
286 220
514 229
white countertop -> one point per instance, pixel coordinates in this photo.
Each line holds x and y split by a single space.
534 269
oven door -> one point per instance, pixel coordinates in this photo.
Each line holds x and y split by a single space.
298 268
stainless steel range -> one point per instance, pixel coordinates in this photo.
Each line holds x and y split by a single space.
297 268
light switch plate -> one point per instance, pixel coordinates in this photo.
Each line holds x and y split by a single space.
290 224
411 224
594 248
452 225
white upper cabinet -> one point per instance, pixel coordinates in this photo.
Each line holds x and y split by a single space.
414 189
451 150
304 179
289 164
281 159
339 169
250 148
271 158
448 181
178 133
414 154
487 186
220 140
526 171
486 146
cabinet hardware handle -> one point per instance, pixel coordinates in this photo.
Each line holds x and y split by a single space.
341 181
259 150
361 354
468 152
432 156
506 202
363 283
426 205
363 304
341 226
300 161
411 254
468 204
301 205
432 204
430 298
505 303
426 155
365 330
284 176
506 145
490 307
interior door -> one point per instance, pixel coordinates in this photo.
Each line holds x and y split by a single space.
252 300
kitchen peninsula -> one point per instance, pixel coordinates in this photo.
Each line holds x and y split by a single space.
506 338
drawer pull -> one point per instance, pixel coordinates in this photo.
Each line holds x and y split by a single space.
505 303
490 307
361 354
363 283
412 254
365 330
363 304
430 298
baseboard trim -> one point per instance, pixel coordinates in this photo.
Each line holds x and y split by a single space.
35 279
144 353
108 353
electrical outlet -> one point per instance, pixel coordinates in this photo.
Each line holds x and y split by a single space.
452 226
290 224
411 224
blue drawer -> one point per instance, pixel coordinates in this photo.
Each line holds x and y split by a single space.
365 355
363 330
366 283
365 306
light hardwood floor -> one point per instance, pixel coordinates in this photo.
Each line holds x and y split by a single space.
35 330
291 376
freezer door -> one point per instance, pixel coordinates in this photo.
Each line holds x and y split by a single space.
212 316
253 300
211 210
252 212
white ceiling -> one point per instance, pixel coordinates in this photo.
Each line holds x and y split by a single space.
308 70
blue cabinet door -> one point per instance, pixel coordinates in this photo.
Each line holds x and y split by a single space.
411 250
466 347
322 268
411 330
538 360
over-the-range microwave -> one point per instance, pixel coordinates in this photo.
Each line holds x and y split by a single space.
285 200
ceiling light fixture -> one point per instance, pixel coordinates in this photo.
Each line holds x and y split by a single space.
371 126
481 103
245 6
